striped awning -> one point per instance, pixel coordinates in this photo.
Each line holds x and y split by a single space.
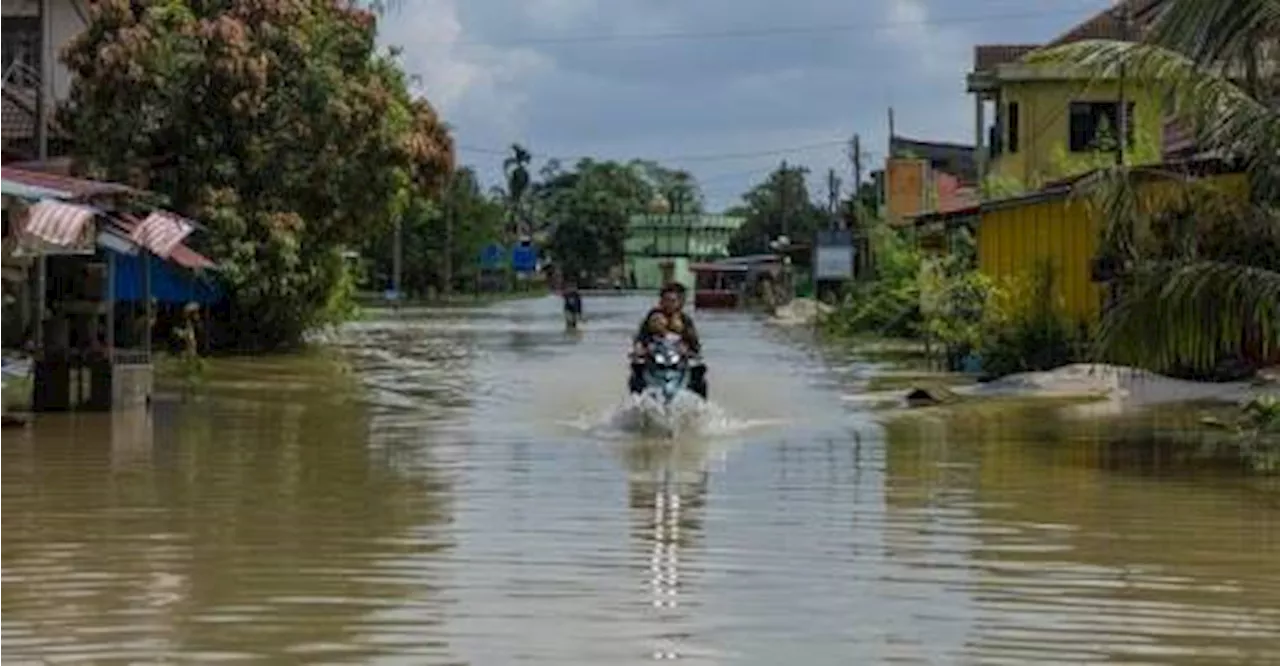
161 233
68 226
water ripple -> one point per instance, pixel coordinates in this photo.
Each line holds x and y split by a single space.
458 486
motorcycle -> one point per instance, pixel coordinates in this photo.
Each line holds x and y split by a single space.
666 369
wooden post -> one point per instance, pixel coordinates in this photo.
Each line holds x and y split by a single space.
148 312
41 301
111 305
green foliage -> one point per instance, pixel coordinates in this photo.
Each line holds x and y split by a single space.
1024 327
516 168
438 234
887 303
995 187
781 202
955 299
1010 325
277 125
590 206
1195 294
1255 432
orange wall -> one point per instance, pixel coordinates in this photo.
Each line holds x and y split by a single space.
904 187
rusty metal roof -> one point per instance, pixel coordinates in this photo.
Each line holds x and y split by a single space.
1107 23
181 255
66 187
987 56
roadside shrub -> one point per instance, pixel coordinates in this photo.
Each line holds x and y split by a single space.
1025 329
887 304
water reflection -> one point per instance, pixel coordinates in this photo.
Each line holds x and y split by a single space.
1072 564
416 498
667 493
258 529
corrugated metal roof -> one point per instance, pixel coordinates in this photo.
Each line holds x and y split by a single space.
15 189
987 56
1107 23
181 255
67 187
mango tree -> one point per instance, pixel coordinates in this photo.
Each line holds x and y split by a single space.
278 125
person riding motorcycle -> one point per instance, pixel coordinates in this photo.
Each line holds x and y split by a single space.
668 316
572 305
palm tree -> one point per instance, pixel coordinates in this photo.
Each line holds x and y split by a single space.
516 168
1219 60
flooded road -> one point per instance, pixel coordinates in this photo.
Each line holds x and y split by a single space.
447 488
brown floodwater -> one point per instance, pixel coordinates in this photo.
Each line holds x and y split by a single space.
449 487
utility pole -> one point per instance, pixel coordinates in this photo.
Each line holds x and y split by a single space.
42 153
450 210
855 156
833 197
891 133
45 82
857 161
782 197
1122 106
397 256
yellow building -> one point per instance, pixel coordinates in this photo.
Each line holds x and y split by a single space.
1050 123
1058 228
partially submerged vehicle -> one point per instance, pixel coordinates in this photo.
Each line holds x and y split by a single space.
664 389
665 370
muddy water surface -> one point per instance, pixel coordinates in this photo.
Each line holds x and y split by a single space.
446 488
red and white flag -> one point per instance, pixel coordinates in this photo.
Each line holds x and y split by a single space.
161 233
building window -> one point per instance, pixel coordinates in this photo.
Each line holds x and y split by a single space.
1011 117
1094 126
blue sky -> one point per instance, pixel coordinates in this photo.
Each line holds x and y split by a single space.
652 78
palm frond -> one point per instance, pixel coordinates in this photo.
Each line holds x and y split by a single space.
1215 32
1127 210
1192 314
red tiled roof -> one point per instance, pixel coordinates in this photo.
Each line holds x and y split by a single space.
75 188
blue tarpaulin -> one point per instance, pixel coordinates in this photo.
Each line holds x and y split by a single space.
169 283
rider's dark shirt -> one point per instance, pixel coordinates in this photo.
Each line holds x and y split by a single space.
573 303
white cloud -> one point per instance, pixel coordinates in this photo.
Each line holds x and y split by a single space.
627 97
475 86
934 48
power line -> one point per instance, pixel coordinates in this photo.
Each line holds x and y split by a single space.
770 32
706 157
